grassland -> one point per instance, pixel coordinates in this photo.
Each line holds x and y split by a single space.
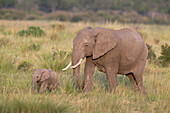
20 55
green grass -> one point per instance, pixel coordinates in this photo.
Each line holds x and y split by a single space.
20 55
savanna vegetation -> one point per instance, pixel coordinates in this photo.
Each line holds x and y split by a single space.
27 45
136 11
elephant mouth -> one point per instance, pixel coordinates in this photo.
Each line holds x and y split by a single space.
74 66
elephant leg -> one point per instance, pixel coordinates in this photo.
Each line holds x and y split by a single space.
43 87
111 72
54 87
111 78
88 73
139 80
39 86
49 88
139 76
133 82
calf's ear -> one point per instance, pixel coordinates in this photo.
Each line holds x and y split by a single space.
44 75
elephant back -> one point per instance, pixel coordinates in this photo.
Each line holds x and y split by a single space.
131 45
53 74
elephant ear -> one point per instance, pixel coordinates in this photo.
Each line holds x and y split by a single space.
105 42
44 75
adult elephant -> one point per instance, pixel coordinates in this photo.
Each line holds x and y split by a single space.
112 52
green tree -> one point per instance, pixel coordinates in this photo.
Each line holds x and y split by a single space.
7 3
49 4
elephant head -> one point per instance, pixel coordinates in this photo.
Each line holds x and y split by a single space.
39 75
90 42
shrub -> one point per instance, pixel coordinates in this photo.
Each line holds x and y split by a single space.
102 13
33 17
32 31
12 14
62 17
24 66
151 54
76 18
164 59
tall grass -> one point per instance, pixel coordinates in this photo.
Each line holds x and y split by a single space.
19 56
7 63
55 60
32 104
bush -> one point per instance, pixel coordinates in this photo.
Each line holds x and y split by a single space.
151 54
103 14
76 18
24 66
164 59
62 17
33 17
32 31
12 14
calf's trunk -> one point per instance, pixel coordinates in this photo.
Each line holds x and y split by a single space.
32 88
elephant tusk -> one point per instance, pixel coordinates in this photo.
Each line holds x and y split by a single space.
77 64
67 66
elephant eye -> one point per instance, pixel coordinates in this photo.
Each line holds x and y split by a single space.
86 45
37 76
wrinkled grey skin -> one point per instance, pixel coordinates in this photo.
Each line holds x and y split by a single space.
46 79
112 52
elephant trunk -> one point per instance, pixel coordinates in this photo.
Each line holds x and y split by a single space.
76 70
76 73
33 84
77 56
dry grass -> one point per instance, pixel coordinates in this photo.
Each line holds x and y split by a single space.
15 84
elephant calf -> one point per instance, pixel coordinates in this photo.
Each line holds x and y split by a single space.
46 79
